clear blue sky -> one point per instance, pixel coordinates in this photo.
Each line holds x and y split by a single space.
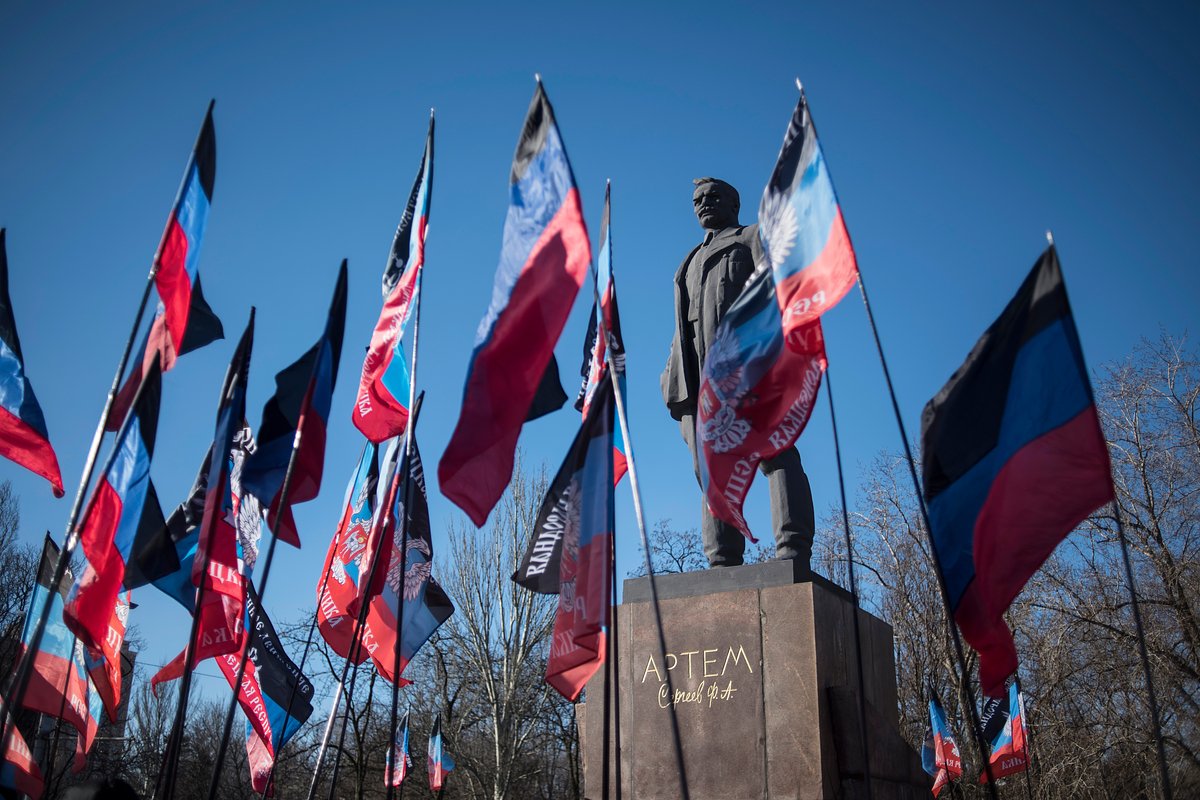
956 134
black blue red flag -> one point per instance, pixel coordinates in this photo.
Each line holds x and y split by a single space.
1003 721
413 596
189 321
275 696
764 366
543 262
381 408
940 757
18 770
123 503
595 348
1014 459
570 551
105 670
293 425
345 566
23 434
399 761
440 762
55 687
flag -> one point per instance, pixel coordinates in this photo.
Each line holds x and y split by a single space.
297 413
399 762
23 434
440 761
570 551
381 408
53 676
764 366
123 502
274 695
93 709
542 265
1003 722
940 756
18 772
414 596
803 233
595 348
1013 460
189 321
338 586
105 670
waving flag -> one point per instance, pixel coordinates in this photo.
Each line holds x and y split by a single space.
93 709
293 425
542 266
23 435
414 596
53 676
338 587
440 761
275 695
105 671
940 756
122 503
399 762
381 409
1004 727
189 321
764 367
1014 459
803 233
595 349
18 771
570 551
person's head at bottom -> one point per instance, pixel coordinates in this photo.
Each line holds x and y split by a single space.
101 789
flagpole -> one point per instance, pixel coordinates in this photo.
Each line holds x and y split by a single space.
359 623
337 764
968 693
862 690
602 331
410 427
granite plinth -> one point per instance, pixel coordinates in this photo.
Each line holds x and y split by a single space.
752 654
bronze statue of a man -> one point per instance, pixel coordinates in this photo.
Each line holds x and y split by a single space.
709 280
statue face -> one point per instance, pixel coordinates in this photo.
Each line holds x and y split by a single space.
715 207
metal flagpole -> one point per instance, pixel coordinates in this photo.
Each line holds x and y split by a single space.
71 539
618 395
862 690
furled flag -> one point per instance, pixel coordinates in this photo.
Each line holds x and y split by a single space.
184 321
381 408
105 671
1014 459
399 762
275 695
122 504
18 771
55 688
1003 721
595 348
410 605
764 366
440 761
544 259
338 586
940 756
570 551
23 435
293 425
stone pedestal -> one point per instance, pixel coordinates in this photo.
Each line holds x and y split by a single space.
764 684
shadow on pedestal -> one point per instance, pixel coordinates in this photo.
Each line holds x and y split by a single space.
763 669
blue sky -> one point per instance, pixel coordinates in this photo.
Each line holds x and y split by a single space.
956 135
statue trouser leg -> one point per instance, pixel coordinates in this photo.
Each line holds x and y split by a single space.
724 545
791 506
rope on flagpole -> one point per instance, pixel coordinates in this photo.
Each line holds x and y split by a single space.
862 690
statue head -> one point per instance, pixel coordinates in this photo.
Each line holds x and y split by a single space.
716 204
